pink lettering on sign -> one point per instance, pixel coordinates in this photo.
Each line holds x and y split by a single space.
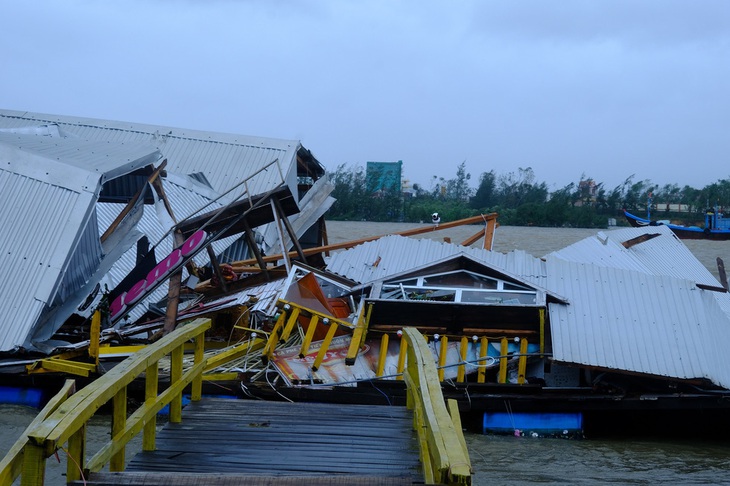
135 292
117 307
166 266
193 243
157 274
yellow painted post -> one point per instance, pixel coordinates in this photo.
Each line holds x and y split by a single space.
94 337
383 354
176 367
119 422
358 336
34 465
308 336
196 387
503 361
273 337
463 348
402 357
290 324
522 363
325 343
76 455
443 351
483 353
150 395
542 331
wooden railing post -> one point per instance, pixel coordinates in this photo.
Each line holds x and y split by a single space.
325 343
522 362
443 354
196 388
119 422
308 336
34 465
463 348
503 361
483 353
176 367
76 455
150 395
383 355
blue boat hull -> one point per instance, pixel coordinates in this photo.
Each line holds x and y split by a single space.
682 232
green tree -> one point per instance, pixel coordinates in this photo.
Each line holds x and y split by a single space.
485 195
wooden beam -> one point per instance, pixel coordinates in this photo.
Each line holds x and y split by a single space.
350 244
173 293
289 229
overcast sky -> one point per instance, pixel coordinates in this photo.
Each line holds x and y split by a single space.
602 88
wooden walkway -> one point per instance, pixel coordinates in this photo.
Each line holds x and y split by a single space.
224 441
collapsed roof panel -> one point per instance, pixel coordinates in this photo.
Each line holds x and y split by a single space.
662 255
632 321
224 159
47 203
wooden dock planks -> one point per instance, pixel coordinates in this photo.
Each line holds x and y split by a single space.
273 441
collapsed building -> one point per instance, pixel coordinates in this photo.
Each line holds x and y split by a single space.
87 201
100 214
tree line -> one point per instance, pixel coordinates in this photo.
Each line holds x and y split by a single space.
520 199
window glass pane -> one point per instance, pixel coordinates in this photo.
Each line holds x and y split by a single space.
433 295
505 298
511 286
460 279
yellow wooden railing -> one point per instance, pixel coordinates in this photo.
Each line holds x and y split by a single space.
443 449
12 464
65 422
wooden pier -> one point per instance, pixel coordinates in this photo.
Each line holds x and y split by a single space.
224 441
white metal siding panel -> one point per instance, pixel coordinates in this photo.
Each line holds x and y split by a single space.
84 262
104 159
397 254
225 159
40 225
663 255
631 321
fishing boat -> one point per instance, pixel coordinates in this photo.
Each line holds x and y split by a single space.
716 227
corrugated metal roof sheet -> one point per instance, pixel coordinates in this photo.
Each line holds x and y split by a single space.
633 321
105 159
224 159
662 255
263 296
47 205
639 309
392 255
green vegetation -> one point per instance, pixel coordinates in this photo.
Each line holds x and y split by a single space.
521 200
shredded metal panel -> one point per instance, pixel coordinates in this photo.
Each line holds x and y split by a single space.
632 321
225 159
663 255
391 255
285 439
